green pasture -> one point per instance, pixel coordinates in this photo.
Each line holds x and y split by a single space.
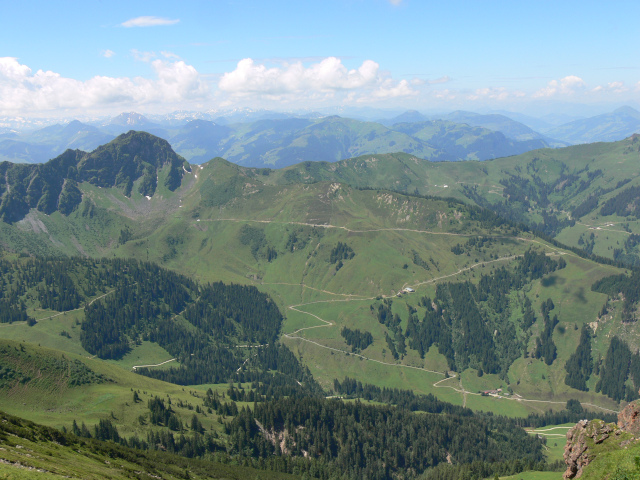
50 401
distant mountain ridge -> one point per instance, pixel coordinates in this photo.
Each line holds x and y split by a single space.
501 123
279 142
495 122
610 127
257 138
51 141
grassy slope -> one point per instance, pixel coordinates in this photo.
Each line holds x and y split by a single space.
48 399
618 161
30 452
534 476
384 231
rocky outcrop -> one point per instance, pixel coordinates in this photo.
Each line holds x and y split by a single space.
586 435
577 453
629 419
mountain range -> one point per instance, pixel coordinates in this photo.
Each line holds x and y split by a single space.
221 304
279 140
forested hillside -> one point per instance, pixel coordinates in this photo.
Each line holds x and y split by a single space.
201 326
229 307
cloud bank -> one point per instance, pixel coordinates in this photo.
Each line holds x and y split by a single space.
171 83
328 77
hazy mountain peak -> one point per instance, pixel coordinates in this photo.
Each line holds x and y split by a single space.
75 126
410 116
130 118
627 110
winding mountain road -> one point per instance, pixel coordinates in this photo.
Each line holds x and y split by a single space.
354 297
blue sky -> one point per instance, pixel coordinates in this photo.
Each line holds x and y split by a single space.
103 57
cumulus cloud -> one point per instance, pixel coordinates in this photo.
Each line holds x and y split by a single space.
389 89
565 86
148 21
328 76
23 91
108 53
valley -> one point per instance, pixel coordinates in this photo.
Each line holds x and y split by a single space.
340 240
344 285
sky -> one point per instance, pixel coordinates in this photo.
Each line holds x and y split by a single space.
102 57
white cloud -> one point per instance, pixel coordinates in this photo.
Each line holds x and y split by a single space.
495 93
107 53
26 92
445 94
170 55
565 86
395 2
322 79
390 90
149 22
611 87
143 56
436 81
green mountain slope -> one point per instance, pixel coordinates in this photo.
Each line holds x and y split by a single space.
30 451
285 239
140 302
560 192
429 295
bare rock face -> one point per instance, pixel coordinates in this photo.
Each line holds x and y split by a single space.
576 452
629 419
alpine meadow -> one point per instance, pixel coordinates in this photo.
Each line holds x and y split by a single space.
373 240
